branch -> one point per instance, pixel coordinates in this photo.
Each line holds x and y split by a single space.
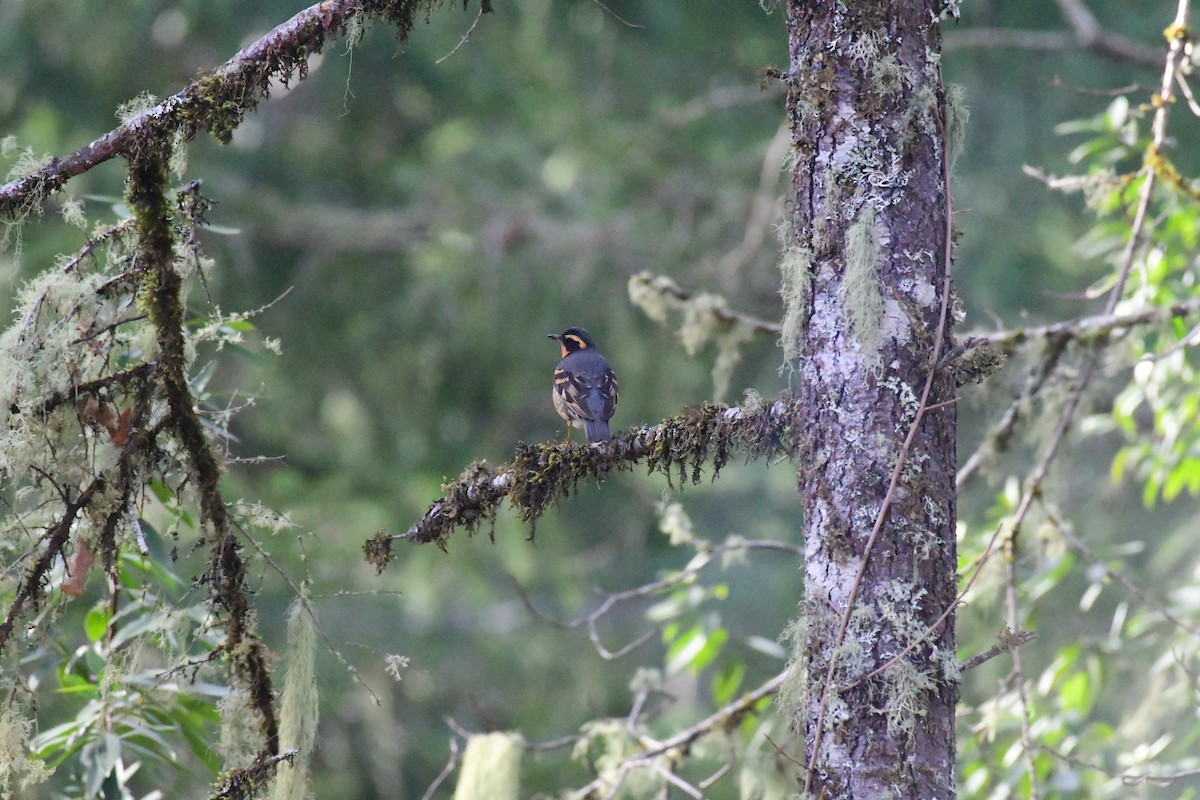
217 101
1006 642
1085 33
538 475
1085 328
1108 44
647 290
722 719
241 784
702 559
29 588
1091 329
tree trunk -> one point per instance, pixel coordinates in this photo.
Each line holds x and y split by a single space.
865 287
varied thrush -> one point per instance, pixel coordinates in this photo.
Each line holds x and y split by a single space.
585 388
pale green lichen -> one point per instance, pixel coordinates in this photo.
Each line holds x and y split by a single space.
604 746
17 769
675 523
795 674
795 266
705 317
957 116
136 106
887 76
72 212
490 768
298 703
649 293
907 690
860 293
238 740
27 163
179 155
729 355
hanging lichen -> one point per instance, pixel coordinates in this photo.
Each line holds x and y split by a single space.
861 294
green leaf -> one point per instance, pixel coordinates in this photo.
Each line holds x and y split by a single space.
96 623
728 680
695 649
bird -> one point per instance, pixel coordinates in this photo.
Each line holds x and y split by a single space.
585 388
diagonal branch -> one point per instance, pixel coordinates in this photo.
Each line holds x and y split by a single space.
218 100
538 475
1085 33
1094 327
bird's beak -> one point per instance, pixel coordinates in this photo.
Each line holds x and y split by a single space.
556 337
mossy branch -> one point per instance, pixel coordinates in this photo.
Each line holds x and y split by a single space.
218 100
538 475
29 589
162 296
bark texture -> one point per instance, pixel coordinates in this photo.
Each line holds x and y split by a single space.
864 279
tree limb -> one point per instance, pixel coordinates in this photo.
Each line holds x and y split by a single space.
539 474
218 100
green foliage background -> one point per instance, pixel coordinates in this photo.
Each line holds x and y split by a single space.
419 227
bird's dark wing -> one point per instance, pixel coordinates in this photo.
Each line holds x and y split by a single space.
588 385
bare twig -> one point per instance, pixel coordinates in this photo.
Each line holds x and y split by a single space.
1018 677
764 208
617 16
1127 778
451 764
1085 33
721 719
1144 597
466 36
922 407
1006 642
648 590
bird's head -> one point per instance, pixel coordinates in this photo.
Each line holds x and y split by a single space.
573 340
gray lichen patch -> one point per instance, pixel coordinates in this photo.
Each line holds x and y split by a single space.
861 294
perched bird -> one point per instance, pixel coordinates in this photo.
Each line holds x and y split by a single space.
585 388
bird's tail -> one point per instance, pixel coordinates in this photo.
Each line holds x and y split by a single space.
597 430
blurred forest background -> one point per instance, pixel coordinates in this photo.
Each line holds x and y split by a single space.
416 223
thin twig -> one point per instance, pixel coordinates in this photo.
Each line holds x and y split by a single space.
1144 597
1018 676
1093 327
647 590
897 469
466 36
1008 642
1127 778
1031 487
617 16
451 763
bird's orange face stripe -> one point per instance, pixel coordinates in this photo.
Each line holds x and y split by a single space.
582 344
564 349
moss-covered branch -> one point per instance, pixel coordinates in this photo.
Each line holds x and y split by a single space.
218 100
538 475
162 297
